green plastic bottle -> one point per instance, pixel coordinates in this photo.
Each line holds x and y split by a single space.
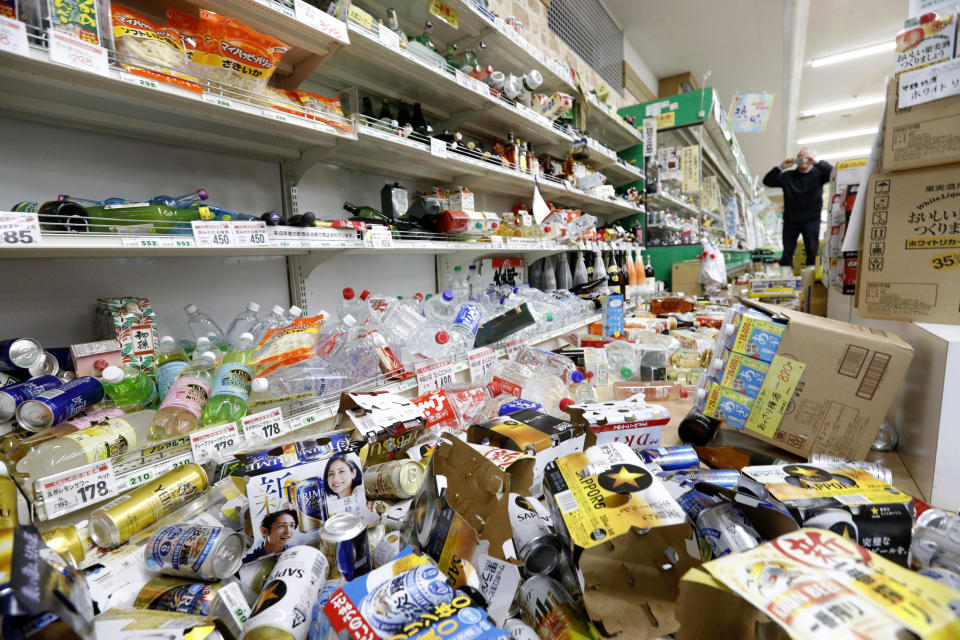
231 385
171 360
129 387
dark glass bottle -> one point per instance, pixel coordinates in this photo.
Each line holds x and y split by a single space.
419 124
403 114
697 429
648 269
385 114
367 109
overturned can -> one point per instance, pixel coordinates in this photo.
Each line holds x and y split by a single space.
726 529
7 380
117 521
195 551
311 504
387 549
60 403
19 353
345 543
727 478
394 517
671 458
253 576
878 471
182 595
13 395
401 599
66 541
8 503
520 630
282 611
394 480
547 607
47 365
538 546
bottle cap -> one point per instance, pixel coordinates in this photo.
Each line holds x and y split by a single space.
546 229
549 317
295 311
348 294
348 320
495 387
203 343
626 373
101 364
246 335
113 375
448 295
564 403
577 377
167 340
202 193
457 268
589 374
442 337
190 309
253 306
364 295
473 267
277 309
208 355
418 296
259 385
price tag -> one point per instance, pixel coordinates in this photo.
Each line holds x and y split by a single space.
438 148
215 442
433 375
77 488
496 242
73 52
19 230
156 241
321 21
140 80
154 470
378 237
13 37
389 38
265 425
481 361
249 233
514 347
212 233
360 16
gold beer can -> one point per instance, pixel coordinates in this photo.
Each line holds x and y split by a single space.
394 480
66 541
8 503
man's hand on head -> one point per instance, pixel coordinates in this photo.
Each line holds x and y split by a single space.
786 164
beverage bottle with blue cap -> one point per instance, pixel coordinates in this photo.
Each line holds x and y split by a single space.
555 363
465 325
185 201
441 308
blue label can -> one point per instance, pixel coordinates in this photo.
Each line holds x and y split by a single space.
12 396
671 458
311 504
519 405
688 477
400 600
345 543
468 316
19 353
62 403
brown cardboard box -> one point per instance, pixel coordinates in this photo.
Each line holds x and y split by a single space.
813 295
922 136
851 375
685 277
911 247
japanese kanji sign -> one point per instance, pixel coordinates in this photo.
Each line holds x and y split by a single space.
750 112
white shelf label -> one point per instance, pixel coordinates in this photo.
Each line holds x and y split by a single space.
13 37
433 375
277 7
481 361
389 38
321 21
19 230
496 242
73 52
149 83
438 148
265 425
77 488
378 237
145 474
215 442
249 233
212 233
514 347
155 241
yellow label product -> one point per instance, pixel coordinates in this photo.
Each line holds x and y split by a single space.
99 443
775 395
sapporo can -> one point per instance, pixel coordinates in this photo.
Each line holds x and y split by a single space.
671 458
547 607
401 599
878 471
538 547
194 551
345 543
61 403
311 504
253 576
394 480
282 611
8 503
726 529
114 523
66 541
13 395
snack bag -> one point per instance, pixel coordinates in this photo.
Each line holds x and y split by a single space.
317 106
239 56
138 39
288 345
197 45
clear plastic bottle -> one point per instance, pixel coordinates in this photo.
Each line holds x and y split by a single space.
535 276
465 324
623 359
431 341
204 344
523 382
441 308
504 404
564 277
179 413
459 285
548 280
202 325
580 271
599 269
247 321
171 360
276 319
128 386
231 385
474 282
584 393
354 306
293 313
554 363
120 434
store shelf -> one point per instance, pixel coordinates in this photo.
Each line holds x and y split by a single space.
605 125
675 205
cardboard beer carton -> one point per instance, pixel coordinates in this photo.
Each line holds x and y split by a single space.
923 135
387 422
813 584
633 421
846 500
631 538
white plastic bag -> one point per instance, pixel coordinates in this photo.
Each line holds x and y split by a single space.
713 268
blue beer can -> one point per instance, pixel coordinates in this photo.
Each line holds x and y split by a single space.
62 403
671 458
11 397
311 504
17 354
401 599
345 543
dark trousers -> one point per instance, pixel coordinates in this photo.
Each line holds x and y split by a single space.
811 240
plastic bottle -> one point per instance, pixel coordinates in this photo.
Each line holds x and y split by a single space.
469 402
231 385
276 319
441 308
523 382
202 325
22 446
535 276
504 404
548 280
312 377
128 386
119 435
580 271
641 276
354 306
180 411
465 325
554 363
475 282
293 313
247 321
584 393
185 201
599 269
564 276
171 360
459 285
203 345
432 341
623 359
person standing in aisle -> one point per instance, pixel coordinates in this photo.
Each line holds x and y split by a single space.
802 202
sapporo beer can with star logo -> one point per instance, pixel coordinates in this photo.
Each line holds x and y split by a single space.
536 542
282 611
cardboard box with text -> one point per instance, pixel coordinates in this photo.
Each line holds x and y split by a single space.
924 135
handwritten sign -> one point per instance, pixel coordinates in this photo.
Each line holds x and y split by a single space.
929 83
750 112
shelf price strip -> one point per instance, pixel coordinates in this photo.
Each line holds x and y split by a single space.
77 488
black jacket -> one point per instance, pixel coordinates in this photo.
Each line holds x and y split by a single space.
802 192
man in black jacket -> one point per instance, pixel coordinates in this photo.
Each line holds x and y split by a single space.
802 202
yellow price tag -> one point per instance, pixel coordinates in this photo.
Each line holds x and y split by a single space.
665 120
775 395
360 16
445 13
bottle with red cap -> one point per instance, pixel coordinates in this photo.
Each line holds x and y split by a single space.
456 407
536 385
431 341
354 306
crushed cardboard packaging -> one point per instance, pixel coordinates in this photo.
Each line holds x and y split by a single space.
387 422
925 135
911 246
633 421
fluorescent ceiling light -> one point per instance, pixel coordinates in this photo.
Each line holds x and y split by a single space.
852 133
843 106
852 153
854 54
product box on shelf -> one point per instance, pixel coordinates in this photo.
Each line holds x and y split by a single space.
912 239
87 355
612 315
924 135
132 322
775 284
813 295
388 424
632 421
600 499
685 277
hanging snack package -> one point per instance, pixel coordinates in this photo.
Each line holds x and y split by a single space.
139 40
235 54
288 345
318 107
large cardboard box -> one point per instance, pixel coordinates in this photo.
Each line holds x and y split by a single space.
911 247
850 375
921 136
813 295
685 277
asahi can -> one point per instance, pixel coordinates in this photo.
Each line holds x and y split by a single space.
671 458
401 599
195 551
394 480
61 403
727 530
547 607
115 523
47 365
282 612
345 543
538 546
311 504
8 503
19 353
13 395
66 541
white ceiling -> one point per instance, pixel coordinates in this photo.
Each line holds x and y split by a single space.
745 44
